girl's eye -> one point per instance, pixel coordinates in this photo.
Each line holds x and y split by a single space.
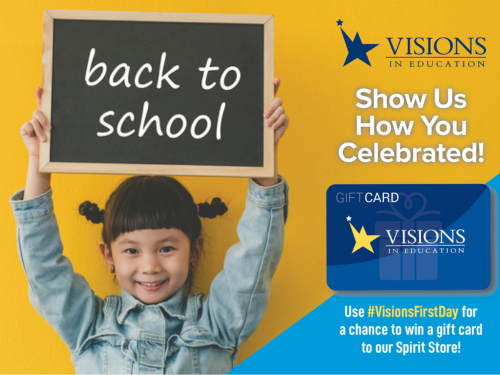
132 251
166 249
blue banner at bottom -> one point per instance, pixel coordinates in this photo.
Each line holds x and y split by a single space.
382 332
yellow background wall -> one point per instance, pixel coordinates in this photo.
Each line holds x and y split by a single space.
319 97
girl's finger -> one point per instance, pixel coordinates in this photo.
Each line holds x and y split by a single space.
279 111
41 119
38 129
27 130
277 83
282 121
38 94
274 105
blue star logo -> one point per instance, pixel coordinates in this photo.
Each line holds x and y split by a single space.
356 49
339 22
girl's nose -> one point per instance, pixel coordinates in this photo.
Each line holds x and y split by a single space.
150 266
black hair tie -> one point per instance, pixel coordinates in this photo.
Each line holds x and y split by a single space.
211 210
91 211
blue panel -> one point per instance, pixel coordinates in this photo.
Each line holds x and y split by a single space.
408 237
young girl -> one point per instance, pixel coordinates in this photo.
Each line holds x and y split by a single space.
152 243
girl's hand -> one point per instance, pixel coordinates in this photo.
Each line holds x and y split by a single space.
275 118
275 115
32 131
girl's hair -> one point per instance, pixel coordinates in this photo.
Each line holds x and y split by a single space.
151 202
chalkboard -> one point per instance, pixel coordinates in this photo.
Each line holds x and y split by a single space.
157 93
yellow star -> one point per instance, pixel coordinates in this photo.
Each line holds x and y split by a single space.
362 239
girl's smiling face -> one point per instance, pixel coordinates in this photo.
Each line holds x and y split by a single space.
152 264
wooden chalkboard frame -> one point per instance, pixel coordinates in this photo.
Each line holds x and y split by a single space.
48 166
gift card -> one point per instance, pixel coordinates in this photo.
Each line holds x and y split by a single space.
408 237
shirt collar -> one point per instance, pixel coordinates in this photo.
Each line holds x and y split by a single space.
174 306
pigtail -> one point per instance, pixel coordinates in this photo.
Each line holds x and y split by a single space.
91 211
211 210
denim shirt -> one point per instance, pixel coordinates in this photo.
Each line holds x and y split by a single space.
188 333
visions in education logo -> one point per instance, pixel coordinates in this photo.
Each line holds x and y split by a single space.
429 241
437 52
410 51
356 49
362 239
408 254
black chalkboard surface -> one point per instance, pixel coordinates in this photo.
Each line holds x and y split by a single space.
157 93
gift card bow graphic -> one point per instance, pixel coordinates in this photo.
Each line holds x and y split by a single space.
400 260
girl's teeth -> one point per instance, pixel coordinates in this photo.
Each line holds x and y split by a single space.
151 284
